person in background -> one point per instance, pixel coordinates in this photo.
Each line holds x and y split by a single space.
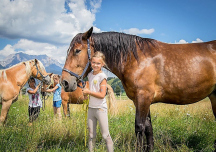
35 102
56 96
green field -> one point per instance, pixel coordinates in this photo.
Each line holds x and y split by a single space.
176 128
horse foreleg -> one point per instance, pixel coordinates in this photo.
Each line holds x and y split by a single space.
212 98
4 111
65 108
68 110
142 122
149 132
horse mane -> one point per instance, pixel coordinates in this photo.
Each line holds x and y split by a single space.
117 47
41 66
3 74
27 68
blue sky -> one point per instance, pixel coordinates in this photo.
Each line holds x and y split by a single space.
48 26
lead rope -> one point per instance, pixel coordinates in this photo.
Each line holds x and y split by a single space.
44 98
85 108
43 94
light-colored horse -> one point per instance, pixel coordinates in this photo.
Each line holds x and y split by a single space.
14 78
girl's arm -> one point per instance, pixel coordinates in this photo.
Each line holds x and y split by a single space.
53 89
35 90
100 94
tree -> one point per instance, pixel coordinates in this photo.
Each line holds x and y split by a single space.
117 90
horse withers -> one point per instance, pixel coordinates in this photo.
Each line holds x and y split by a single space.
150 71
14 78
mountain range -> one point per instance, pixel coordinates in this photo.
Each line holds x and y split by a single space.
51 65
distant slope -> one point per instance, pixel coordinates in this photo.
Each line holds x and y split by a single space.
51 65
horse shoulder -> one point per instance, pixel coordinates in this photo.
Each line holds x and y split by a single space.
64 95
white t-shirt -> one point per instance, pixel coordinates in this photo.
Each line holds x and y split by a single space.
94 85
34 99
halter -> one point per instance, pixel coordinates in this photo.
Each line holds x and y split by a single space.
80 77
38 71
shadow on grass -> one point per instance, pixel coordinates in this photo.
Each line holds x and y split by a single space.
194 142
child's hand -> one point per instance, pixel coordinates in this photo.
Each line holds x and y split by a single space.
86 91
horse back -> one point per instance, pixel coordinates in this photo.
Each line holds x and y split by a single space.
188 73
173 73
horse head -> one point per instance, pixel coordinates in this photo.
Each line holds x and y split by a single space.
77 63
39 72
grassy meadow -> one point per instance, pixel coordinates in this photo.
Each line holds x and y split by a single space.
176 128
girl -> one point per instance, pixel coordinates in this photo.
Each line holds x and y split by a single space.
97 103
56 96
35 102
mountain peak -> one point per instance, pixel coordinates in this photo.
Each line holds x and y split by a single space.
51 65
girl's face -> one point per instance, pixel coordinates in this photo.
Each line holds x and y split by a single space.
32 83
56 80
97 64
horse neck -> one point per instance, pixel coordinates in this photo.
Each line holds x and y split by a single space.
19 74
114 70
102 44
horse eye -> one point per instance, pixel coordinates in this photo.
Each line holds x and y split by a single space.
77 51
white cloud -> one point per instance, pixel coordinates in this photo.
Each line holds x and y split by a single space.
136 31
8 49
95 4
198 40
182 41
97 30
44 26
36 48
46 20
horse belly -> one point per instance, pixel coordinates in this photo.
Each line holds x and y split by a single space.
187 83
8 92
183 96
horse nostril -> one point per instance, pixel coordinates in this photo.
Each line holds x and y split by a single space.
65 84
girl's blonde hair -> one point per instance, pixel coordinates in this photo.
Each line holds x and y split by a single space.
99 54
56 76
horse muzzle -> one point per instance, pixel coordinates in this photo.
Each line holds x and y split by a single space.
47 80
69 85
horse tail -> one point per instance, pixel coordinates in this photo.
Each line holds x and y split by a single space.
111 101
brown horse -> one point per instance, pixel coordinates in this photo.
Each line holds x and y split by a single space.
77 97
151 71
14 78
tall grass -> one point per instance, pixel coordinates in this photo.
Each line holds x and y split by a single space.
176 128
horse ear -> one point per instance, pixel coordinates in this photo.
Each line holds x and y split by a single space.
36 61
87 34
50 74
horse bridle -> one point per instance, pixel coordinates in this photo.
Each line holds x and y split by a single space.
80 77
38 71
